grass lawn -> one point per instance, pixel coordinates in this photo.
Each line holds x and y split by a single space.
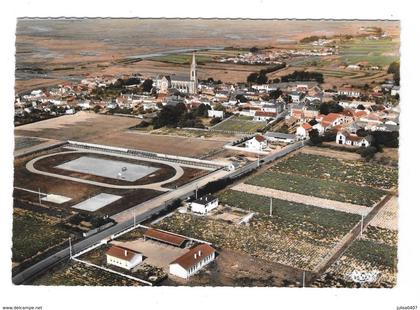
240 124
318 221
328 189
328 168
33 233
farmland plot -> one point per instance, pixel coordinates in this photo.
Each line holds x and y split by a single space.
328 189
376 252
34 233
78 274
293 244
238 124
329 168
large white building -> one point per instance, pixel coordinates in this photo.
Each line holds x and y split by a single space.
193 261
123 257
204 204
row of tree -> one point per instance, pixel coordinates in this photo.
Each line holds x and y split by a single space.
303 76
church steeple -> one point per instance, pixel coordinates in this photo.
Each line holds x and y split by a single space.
193 73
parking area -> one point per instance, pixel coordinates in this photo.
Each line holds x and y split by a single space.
156 253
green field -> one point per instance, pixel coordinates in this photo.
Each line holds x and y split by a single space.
328 168
182 58
375 52
33 233
318 221
333 190
240 124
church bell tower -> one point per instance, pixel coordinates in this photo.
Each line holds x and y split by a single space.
193 74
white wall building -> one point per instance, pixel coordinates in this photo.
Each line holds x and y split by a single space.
257 143
123 257
193 261
204 204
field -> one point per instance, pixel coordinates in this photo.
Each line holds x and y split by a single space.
353 172
375 52
375 252
78 274
344 192
34 233
316 220
239 124
114 131
299 244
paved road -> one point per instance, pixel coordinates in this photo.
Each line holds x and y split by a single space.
143 212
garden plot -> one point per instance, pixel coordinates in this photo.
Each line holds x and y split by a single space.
97 202
299 244
327 189
328 168
113 169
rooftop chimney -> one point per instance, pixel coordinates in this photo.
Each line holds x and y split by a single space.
195 255
125 252
199 253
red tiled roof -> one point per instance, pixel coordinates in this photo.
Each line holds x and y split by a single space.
164 237
263 113
122 253
259 138
306 126
331 117
194 256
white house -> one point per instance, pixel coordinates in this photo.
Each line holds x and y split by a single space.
193 261
204 204
123 257
346 138
215 113
303 130
349 92
257 143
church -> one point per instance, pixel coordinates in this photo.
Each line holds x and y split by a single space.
185 84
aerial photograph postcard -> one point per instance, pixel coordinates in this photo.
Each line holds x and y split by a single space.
206 152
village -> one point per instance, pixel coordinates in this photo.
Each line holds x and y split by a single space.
168 179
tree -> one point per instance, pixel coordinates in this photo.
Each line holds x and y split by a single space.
241 98
252 77
394 68
312 122
215 120
314 137
367 152
147 85
96 108
202 110
324 108
361 107
275 94
254 49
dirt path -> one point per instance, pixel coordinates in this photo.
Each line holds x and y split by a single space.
308 200
330 153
